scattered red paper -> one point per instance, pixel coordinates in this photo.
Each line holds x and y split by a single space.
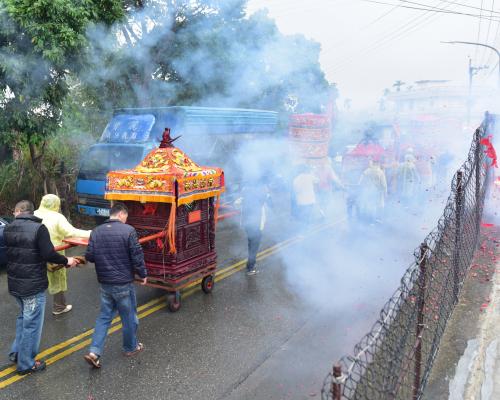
490 150
485 305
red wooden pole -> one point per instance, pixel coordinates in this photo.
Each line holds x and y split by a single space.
152 237
64 247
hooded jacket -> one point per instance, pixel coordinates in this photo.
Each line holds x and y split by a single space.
57 224
373 187
59 228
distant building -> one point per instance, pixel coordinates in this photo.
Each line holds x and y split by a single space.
438 104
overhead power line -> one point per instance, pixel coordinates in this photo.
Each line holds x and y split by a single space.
473 7
495 41
481 9
479 31
484 53
408 27
426 8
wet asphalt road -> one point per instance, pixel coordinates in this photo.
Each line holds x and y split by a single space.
271 336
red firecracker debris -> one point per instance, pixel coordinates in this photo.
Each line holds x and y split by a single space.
485 305
490 150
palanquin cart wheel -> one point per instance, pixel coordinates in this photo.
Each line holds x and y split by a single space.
207 284
174 301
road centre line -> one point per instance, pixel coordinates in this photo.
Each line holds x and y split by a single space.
226 273
149 308
75 339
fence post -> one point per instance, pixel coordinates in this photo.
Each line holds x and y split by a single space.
336 385
477 165
458 225
422 286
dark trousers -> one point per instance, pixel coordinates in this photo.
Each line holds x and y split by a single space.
254 236
304 215
59 302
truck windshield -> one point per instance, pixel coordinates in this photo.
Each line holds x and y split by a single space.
99 160
128 128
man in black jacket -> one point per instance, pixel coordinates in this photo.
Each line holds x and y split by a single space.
28 250
117 254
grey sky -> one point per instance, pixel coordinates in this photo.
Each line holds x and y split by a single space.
366 46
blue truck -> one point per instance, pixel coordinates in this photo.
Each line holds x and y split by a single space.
208 135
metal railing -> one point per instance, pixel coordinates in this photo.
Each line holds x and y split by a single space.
394 360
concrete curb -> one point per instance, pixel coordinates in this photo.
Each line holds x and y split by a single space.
483 381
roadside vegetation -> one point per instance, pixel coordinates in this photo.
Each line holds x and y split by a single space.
65 65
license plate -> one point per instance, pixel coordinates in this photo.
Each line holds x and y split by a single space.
103 212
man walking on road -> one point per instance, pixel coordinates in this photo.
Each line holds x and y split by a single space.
117 254
255 194
304 193
28 250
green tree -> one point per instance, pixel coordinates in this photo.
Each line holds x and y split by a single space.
202 53
42 43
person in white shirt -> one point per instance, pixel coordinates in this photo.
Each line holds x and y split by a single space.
304 193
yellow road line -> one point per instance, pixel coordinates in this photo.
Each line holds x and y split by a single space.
79 346
114 328
75 339
220 275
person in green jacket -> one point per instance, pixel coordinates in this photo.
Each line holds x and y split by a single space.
59 228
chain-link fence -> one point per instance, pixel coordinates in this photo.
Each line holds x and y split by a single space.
394 360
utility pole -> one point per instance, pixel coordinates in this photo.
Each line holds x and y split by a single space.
482 45
472 71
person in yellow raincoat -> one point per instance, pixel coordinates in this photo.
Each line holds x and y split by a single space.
373 191
59 228
408 181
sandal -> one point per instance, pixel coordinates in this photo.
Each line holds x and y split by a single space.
39 366
138 349
93 360
13 358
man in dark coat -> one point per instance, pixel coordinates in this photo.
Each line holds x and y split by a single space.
117 254
255 195
28 250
